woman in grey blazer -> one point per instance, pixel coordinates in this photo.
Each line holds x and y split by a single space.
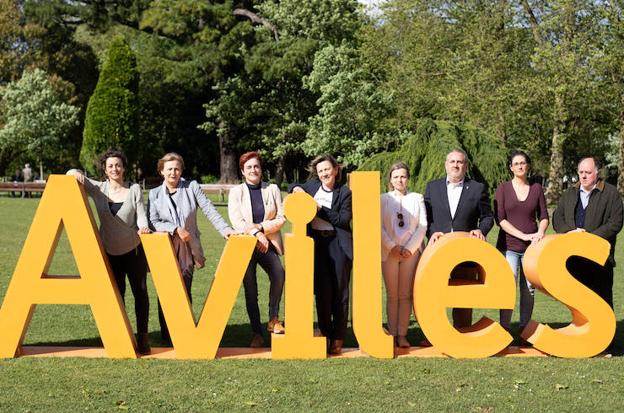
122 218
173 209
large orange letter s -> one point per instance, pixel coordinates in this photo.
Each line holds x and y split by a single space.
593 321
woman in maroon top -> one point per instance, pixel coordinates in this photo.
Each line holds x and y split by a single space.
522 215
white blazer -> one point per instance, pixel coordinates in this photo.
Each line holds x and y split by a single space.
240 213
412 234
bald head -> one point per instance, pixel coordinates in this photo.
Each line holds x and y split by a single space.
456 165
588 173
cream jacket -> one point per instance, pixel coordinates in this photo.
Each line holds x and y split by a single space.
239 211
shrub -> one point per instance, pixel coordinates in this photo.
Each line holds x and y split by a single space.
426 148
111 119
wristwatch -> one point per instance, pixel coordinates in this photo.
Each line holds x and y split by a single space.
254 232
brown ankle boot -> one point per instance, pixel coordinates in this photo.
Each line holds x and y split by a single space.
336 347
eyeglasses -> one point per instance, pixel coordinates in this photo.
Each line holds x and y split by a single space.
400 218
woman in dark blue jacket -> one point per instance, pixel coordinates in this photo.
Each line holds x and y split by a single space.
333 248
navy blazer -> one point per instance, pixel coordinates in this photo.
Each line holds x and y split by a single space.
339 215
473 210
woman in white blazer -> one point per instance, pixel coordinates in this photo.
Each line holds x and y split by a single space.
255 208
403 228
173 209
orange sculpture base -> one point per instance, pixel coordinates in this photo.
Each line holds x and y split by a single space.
252 353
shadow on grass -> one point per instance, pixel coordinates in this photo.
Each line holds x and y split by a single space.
415 336
616 349
239 335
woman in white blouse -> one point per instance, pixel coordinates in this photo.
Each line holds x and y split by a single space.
403 228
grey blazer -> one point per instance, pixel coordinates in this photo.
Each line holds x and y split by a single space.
165 217
119 231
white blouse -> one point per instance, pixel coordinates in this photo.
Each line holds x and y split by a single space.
412 233
323 198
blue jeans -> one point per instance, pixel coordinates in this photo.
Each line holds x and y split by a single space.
527 292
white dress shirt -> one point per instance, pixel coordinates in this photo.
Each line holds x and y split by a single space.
454 190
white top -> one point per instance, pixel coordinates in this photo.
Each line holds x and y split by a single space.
411 235
454 193
324 199
585 195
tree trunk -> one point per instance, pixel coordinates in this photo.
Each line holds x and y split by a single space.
279 171
6 156
227 157
620 180
555 173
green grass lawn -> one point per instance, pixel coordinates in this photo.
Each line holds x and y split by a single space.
495 384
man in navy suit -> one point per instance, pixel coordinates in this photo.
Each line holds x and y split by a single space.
457 203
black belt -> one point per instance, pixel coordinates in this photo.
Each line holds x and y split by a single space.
324 233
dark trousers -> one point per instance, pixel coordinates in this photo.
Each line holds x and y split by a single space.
134 265
271 264
332 273
187 276
597 278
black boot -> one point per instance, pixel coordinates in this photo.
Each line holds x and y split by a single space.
143 346
165 337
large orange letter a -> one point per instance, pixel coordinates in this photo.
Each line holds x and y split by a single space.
64 204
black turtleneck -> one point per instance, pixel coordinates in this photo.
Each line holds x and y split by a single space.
257 205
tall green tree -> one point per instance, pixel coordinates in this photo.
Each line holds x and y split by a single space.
10 37
565 34
469 62
266 103
175 68
489 71
610 64
519 70
352 107
304 29
111 119
210 40
413 44
305 35
49 44
35 120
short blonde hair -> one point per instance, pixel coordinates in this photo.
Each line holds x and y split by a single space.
171 156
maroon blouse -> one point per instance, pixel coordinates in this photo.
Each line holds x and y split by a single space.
524 215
